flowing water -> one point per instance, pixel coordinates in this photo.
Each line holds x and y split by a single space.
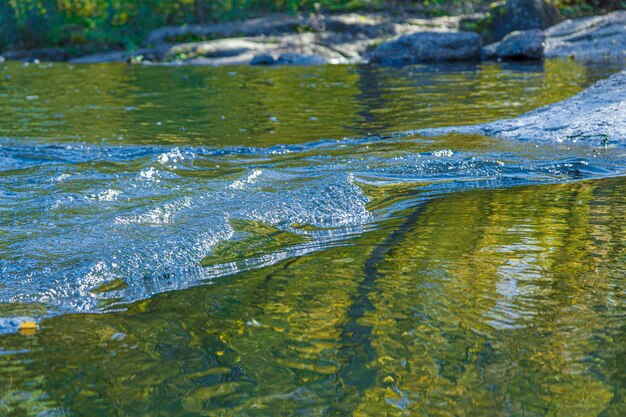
265 241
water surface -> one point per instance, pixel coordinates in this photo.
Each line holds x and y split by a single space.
266 241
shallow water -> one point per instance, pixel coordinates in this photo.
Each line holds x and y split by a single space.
324 264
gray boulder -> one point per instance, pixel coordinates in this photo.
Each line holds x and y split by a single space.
211 49
428 47
263 59
590 38
369 25
267 25
2 59
352 24
292 58
526 45
593 117
311 39
288 58
515 15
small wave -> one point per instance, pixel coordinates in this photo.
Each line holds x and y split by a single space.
178 203
240 184
158 215
150 174
107 195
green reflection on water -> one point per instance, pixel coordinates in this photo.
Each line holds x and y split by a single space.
121 104
258 239
480 303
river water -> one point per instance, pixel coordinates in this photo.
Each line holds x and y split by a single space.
267 241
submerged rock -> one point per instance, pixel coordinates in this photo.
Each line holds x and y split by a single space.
528 44
589 38
514 15
428 47
594 117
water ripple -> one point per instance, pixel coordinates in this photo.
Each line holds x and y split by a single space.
79 216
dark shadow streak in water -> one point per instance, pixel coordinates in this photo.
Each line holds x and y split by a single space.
356 339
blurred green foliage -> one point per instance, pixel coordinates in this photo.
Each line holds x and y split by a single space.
574 8
124 23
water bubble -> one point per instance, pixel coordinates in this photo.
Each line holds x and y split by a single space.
445 153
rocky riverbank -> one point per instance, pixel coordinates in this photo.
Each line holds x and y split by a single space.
593 117
517 29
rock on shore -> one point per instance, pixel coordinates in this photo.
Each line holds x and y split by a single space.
593 117
428 47
526 45
591 38
289 58
376 37
300 40
514 15
594 38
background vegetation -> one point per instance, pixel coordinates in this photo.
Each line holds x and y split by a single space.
115 24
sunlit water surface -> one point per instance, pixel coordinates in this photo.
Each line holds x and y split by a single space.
323 262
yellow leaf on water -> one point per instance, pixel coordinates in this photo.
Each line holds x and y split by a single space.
28 328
